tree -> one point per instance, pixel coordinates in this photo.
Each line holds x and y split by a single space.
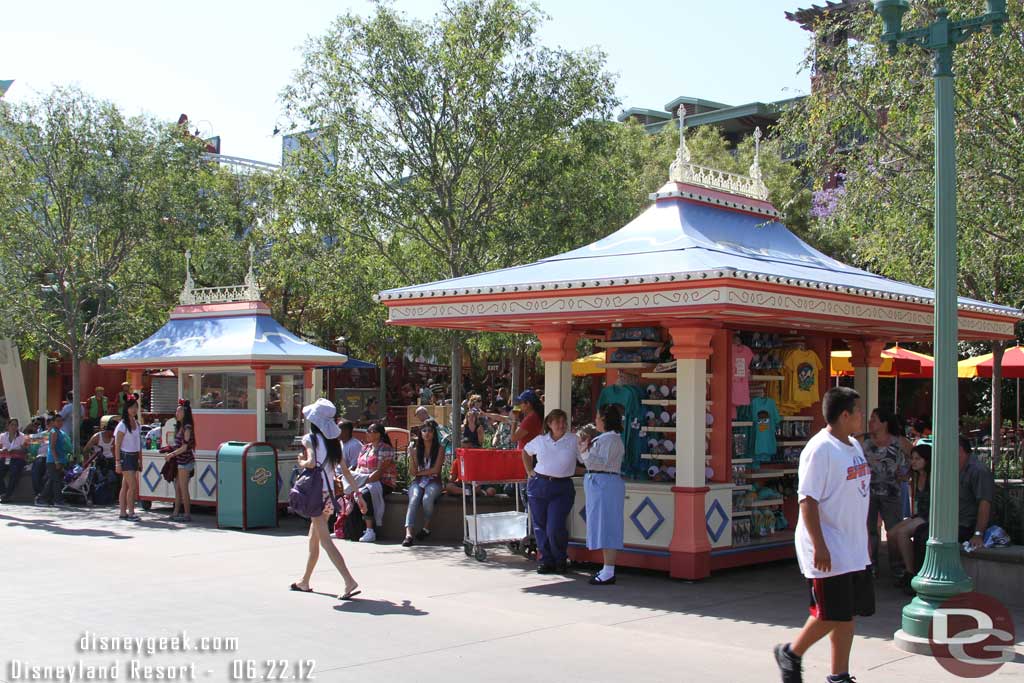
82 190
869 124
430 130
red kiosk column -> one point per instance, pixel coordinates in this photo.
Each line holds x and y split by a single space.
558 351
690 550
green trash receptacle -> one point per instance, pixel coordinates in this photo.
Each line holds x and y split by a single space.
246 485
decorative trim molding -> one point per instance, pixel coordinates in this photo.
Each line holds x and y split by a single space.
579 303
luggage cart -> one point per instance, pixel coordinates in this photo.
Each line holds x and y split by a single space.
513 528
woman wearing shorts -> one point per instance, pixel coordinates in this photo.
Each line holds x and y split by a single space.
127 450
184 454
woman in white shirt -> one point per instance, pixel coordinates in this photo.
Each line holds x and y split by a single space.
605 490
127 452
550 491
12 459
321 448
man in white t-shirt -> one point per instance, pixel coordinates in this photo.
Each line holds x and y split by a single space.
832 537
351 447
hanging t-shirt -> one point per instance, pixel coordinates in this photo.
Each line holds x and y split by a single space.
837 475
803 368
741 357
766 420
627 397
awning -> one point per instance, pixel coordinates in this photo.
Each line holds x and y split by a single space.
350 364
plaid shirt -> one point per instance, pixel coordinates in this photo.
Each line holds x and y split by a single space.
382 458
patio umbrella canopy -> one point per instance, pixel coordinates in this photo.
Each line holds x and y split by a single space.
981 366
926 361
842 366
589 365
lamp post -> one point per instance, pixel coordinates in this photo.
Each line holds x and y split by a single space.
942 575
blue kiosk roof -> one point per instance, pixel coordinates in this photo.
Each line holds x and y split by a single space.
690 234
210 339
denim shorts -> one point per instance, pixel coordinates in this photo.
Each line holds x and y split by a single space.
189 467
129 462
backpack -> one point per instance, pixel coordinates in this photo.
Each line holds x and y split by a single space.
306 497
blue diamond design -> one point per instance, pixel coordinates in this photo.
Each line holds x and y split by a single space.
659 519
716 528
583 513
208 472
280 482
151 476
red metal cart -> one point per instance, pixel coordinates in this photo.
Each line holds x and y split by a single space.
483 466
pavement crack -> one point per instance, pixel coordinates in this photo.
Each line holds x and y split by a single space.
891 661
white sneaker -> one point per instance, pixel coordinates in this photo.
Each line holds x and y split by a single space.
369 536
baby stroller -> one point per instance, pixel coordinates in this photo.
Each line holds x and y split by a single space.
80 482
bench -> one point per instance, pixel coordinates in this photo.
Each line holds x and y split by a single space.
998 572
446 526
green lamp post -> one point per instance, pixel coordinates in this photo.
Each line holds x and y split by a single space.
942 575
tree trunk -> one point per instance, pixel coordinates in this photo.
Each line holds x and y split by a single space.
997 404
456 417
76 403
515 387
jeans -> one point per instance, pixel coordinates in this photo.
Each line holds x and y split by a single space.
889 508
12 473
425 496
54 482
38 475
550 504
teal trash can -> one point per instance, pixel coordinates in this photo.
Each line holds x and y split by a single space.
246 485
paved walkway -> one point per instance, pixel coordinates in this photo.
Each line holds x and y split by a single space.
426 614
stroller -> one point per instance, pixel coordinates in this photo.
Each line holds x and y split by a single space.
80 482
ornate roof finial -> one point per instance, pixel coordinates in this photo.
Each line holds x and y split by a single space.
250 277
676 170
755 168
188 294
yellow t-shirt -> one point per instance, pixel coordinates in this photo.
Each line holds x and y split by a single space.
803 370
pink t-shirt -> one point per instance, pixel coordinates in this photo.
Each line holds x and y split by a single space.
741 357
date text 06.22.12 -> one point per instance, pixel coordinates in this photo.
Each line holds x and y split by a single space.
271 670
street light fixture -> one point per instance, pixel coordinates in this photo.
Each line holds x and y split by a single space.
942 576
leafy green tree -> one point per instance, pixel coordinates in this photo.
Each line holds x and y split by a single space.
431 129
89 200
869 124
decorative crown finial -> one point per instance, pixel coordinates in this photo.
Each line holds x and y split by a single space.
187 293
676 171
755 168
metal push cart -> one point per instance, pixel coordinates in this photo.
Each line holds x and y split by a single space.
479 466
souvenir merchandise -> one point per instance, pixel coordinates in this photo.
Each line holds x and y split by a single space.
635 334
628 397
741 359
766 421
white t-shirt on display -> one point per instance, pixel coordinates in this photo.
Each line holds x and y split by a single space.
557 458
132 442
838 476
321 456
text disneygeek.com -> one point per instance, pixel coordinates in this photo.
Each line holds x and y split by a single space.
137 665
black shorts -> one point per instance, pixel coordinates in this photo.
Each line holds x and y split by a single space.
840 598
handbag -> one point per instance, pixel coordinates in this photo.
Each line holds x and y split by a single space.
170 470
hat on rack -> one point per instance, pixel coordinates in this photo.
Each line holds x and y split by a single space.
322 415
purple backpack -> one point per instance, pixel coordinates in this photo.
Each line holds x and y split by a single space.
306 497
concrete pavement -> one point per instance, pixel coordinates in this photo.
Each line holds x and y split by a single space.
426 613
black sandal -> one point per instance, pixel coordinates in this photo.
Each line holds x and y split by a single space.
422 534
408 542
295 587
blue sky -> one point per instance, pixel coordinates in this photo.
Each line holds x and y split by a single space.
224 62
